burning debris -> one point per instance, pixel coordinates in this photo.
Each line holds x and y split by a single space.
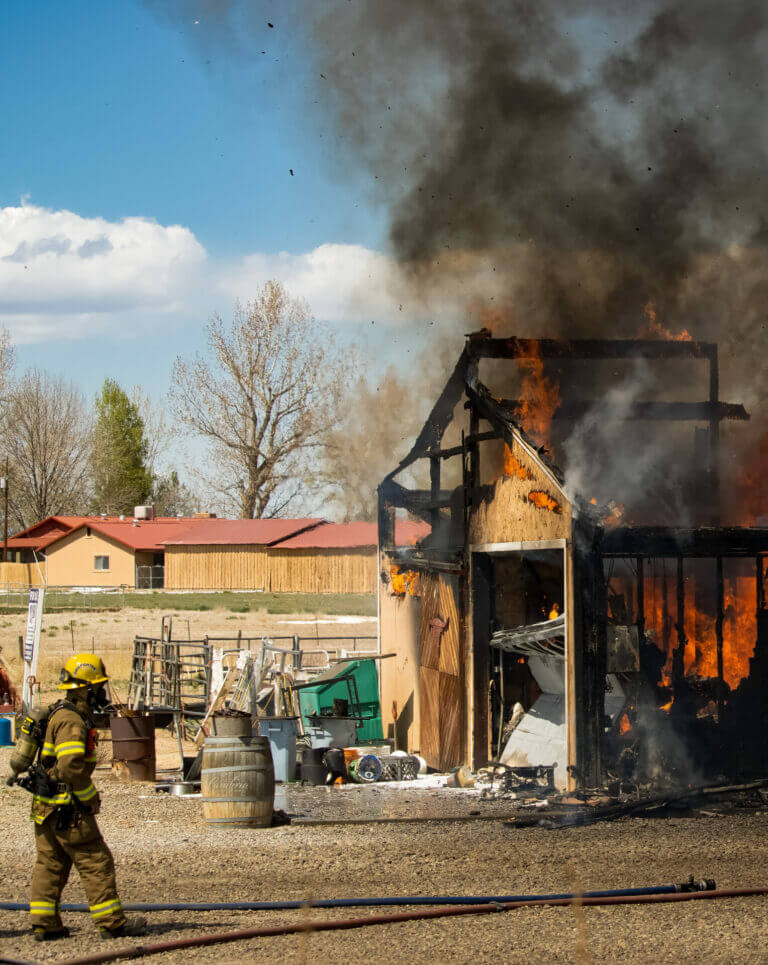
403 581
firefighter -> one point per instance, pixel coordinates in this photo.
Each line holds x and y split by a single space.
64 810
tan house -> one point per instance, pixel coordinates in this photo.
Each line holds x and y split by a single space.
97 550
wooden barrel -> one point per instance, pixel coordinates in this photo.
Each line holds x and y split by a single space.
237 782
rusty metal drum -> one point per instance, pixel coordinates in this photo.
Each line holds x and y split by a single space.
133 747
237 782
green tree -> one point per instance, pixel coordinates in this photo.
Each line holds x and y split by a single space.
121 477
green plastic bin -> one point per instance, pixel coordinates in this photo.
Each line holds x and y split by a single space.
318 697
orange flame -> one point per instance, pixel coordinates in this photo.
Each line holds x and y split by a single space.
539 399
554 613
700 655
624 724
404 581
654 328
542 500
512 467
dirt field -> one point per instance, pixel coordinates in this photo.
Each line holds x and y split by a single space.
165 851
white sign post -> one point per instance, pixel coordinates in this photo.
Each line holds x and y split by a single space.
32 643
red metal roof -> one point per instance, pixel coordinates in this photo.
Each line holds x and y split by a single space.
141 535
342 535
239 532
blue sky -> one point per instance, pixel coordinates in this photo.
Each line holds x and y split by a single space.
110 113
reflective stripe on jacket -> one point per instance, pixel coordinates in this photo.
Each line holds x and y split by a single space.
69 757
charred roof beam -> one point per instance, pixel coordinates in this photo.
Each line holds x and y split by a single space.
479 347
572 411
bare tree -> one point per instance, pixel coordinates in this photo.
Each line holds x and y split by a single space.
377 429
7 364
48 447
264 400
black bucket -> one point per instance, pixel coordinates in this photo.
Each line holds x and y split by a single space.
312 768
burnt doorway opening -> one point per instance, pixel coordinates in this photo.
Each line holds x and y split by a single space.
520 695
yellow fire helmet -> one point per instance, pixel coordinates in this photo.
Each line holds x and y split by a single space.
82 670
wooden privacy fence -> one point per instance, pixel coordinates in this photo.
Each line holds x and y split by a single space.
275 570
22 574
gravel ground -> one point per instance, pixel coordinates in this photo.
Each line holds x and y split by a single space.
165 851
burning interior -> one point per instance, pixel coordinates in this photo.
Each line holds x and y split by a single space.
545 623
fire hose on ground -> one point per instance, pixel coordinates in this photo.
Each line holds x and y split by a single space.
377 902
141 951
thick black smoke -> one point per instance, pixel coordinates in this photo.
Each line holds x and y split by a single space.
599 156
605 160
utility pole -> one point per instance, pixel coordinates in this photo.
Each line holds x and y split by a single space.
4 487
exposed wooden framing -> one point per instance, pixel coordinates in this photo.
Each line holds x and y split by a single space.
586 663
714 436
434 490
678 657
660 541
481 589
386 523
565 348
418 501
719 635
712 412
426 563
474 449
492 410
640 617
471 440
440 417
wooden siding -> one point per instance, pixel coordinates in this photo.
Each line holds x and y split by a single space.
271 569
216 568
322 570
441 673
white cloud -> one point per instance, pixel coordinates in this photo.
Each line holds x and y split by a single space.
66 276
341 283
350 283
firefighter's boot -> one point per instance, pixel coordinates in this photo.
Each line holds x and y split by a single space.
130 928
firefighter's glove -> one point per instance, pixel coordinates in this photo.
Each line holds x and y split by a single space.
94 806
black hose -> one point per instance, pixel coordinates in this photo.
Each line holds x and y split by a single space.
379 902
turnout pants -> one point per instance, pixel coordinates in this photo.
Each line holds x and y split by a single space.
80 844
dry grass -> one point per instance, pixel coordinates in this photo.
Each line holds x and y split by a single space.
111 635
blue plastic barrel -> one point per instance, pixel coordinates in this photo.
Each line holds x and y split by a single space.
6 730
281 732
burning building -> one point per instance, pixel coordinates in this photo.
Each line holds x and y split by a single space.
539 627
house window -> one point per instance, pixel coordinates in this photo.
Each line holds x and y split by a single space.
101 562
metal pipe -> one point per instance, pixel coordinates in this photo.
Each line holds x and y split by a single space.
307 925
288 905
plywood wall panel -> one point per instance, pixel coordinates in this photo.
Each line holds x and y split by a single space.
506 513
